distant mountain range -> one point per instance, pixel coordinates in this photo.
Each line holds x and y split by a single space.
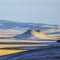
31 30
4 24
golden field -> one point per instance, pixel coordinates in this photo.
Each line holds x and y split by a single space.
6 52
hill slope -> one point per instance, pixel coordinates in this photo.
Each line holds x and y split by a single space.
32 34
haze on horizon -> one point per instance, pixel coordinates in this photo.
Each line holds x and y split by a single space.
40 11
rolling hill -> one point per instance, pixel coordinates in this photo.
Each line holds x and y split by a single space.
32 34
4 24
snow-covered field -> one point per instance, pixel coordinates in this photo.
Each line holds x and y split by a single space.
51 52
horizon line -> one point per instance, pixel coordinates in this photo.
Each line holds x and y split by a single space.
27 22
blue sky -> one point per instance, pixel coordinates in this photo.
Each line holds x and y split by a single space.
40 11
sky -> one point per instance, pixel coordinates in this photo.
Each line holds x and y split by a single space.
37 11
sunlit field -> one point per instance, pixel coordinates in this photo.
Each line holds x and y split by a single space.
6 52
9 51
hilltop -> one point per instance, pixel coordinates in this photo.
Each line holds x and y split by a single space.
32 34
